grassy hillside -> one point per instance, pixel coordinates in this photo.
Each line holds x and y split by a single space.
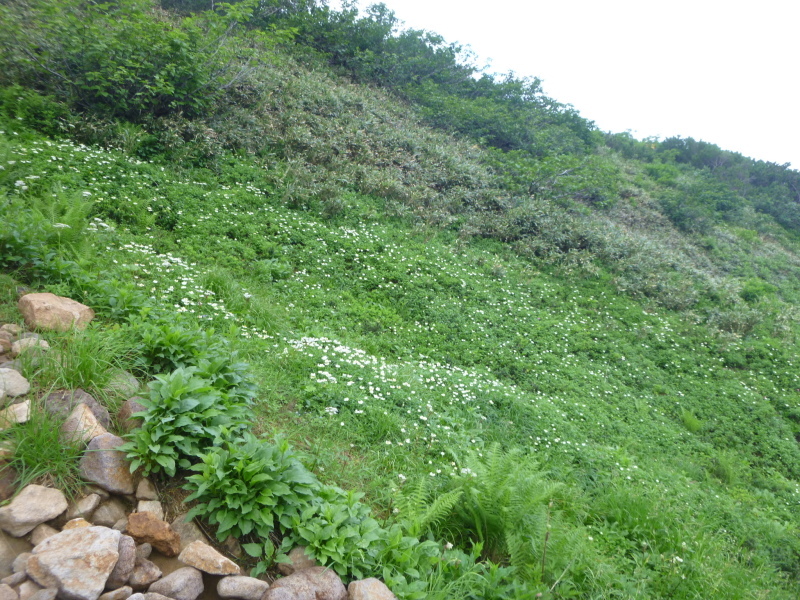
573 362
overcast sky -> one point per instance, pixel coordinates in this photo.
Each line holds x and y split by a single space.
724 72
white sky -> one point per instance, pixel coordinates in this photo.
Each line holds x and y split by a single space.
722 71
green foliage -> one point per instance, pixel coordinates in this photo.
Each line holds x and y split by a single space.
419 512
245 485
185 414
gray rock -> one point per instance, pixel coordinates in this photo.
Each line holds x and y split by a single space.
182 584
203 557
369 589
154 596
28 344
242 588
14 365
7 593
188 531
124 567
45 594
41 533
35 504
109 512
84 507
81 425
12 382
123 383
125 416
119 594
143 551
63 402
151 506
121 525
146 491
298 560
76 561
21 562
11 328
315 583
136 596
16 413
107 467
48 311
144 573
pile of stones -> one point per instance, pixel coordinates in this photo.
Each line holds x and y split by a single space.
114 542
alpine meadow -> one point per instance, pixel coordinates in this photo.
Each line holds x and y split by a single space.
428 323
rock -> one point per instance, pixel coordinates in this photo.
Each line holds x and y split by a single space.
188 531
123 383
369 589
45 594
154 596
76 561
151 506
63 402
136 596
76 524
8 478
127 410
125 565
144 573
146 490
298 560
143 550
81 425
11 328
107 467
27 344
119 594
21 562
35 504
84 507
28 589
315 583
145 527
182 584
16 413
5 345
121 525
7 592
232 546
203 557
12 382
242 588
48 311
41 533
15 579
109 512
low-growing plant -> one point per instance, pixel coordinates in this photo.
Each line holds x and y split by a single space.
185 414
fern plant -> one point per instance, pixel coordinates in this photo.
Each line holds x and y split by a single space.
418 512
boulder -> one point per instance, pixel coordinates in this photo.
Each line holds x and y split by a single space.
41 533
7 592
188 531
35 504
13 383
125 565
20 563
84 507
81 425
144 527
242 588
27 589
123 383
45 594
369 589
298 560
144 573
315 583
124 416
146 490
11 328
15 413
182 584
28 344
106 466
119 594
151 506
76 561
63 402
144 550
109 512
15 579
203 557
48 311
